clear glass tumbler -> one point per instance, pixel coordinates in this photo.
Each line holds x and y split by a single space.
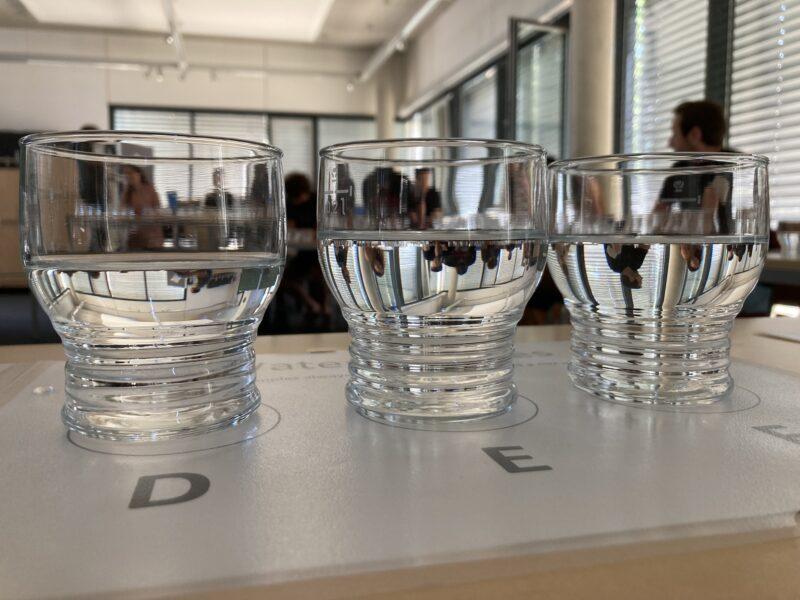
432 248
155 257
655 255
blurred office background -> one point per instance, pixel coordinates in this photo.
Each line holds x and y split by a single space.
579 77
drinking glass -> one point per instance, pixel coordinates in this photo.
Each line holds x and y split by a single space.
432 247
155 257
655 254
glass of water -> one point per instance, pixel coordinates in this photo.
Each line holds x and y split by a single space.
155 257
655 255
432 248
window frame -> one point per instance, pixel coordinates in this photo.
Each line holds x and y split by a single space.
500 64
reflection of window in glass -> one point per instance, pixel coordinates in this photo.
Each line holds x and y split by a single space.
160 289
765 104
664 51
540 87
129 285
411 258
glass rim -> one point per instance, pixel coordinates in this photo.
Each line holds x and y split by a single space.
522 151
44 143
722 160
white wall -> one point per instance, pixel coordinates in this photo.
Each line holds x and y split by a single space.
464 31
35 97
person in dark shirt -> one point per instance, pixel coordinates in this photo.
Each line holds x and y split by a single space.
301 209
303 298
425 203
706 197
701 202
699 127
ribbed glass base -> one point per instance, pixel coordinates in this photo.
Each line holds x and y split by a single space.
676 358
159 391
420 369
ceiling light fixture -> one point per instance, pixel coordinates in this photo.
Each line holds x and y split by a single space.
350 87
169 40
159 75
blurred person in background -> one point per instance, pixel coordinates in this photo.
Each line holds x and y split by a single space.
141 197
218 194
303 303
425 202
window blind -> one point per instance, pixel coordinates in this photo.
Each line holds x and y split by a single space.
176 177
295 136
332 130
665 62
479 106
765 95
242 126
478 119
540 85
431 122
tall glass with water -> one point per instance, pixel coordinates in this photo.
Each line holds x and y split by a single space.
155 257
432 249
655 255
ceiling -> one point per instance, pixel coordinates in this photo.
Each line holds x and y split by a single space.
349 23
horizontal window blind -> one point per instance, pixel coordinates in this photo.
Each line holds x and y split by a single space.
337 131
540 85
242 126
292 134
158 121
765 95
478 108
295 136
665 62
332 130
176 177
431 122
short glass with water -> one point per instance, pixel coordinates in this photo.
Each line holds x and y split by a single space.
655 256
432 248
155 257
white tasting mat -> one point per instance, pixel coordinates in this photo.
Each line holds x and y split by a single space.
319 490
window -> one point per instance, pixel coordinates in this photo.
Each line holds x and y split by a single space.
433 121
332 130
664 52
243 126
540 92
158 121
338 130
295 136
478 105
765 95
